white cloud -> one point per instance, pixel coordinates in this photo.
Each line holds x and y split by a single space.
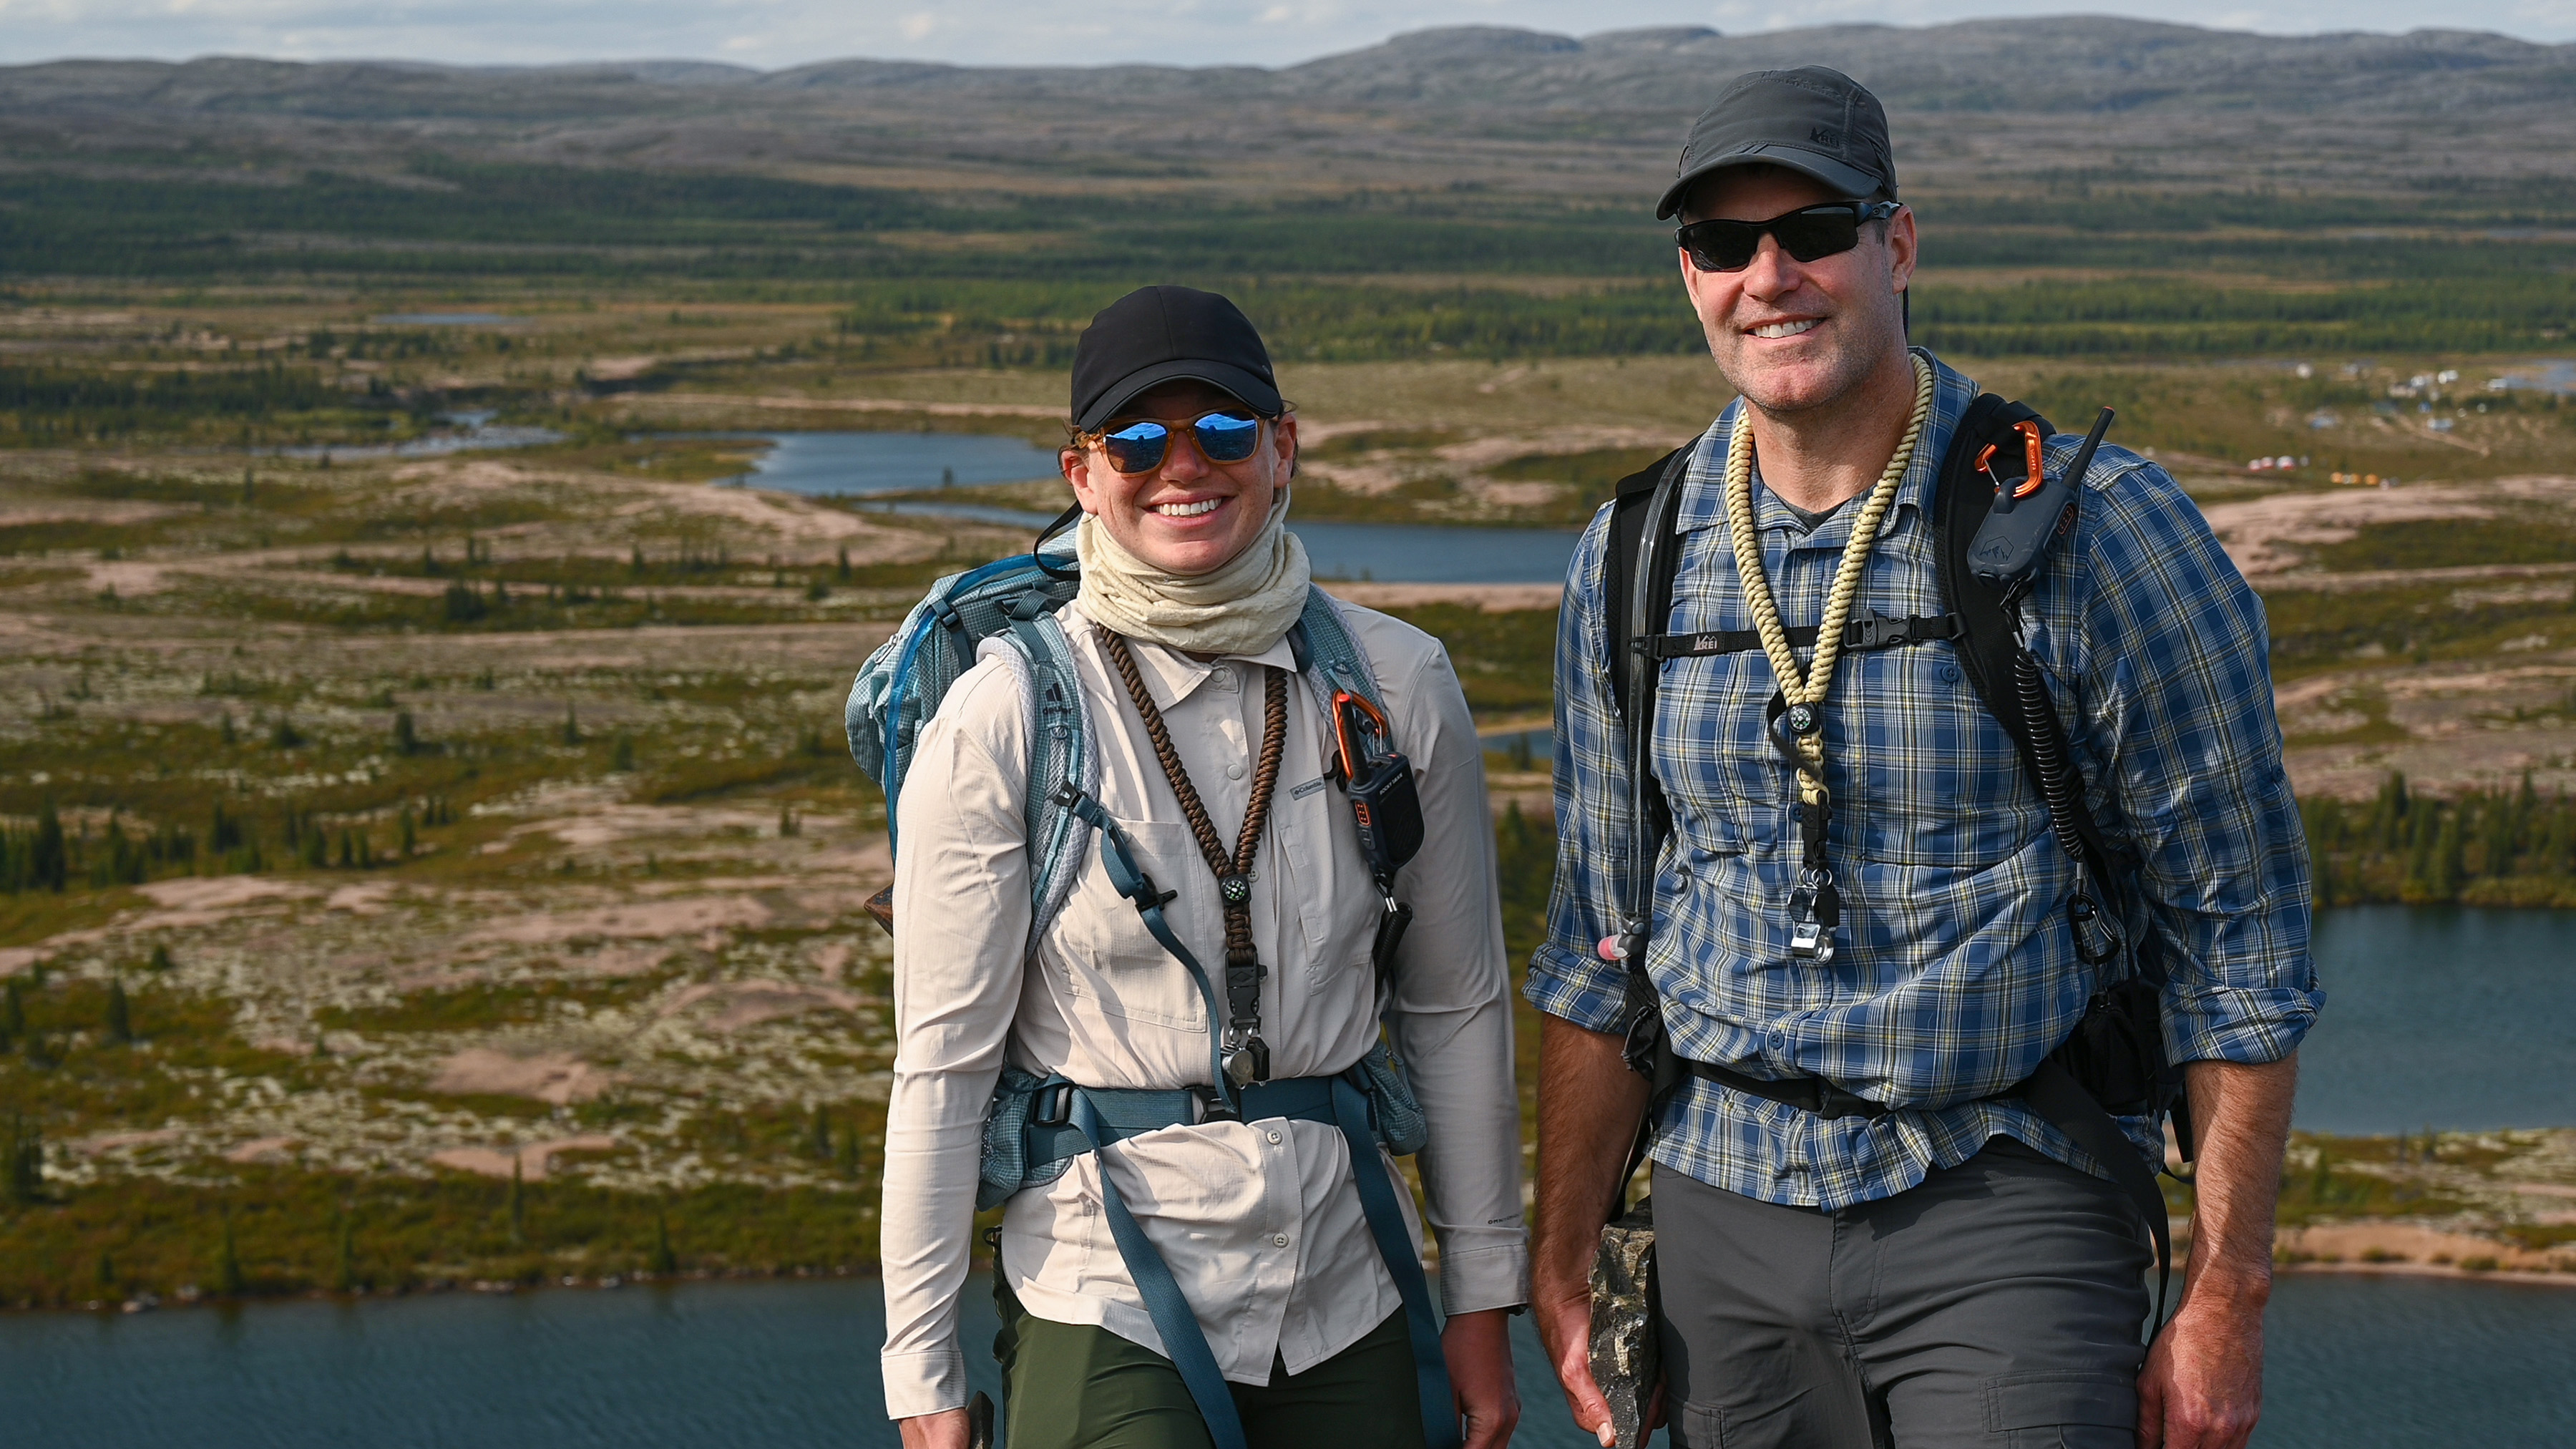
1042 32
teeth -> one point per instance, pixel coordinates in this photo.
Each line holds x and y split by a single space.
1783 329
1188 510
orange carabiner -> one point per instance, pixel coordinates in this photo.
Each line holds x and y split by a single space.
2032 478
1344 702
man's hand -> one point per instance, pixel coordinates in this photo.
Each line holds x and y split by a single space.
1589 1106
943 1430
1478 1347
2203 1384
2202 1387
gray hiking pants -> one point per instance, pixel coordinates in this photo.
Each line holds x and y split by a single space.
1997 1304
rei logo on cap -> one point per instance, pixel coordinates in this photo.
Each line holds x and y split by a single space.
1825 136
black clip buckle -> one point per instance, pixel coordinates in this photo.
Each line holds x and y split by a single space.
1833 1101
1052 1106
1875 630
1207 1104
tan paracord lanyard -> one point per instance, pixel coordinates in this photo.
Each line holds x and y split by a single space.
1246 1055
1797 723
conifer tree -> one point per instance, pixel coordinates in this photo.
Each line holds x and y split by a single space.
344 1268
409 832
662 1260
160 960
49 854
13 1011
518 1202
571 725
406 734
120 1014
2443 872
25 1166
819 1142
228 1272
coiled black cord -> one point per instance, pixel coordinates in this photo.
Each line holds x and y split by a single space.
2057 780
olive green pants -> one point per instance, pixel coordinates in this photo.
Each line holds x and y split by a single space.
1076 1386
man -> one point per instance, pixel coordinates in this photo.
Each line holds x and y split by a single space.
1917 1257
1221 1272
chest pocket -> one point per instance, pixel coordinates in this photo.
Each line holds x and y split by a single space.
1113 963
1923 774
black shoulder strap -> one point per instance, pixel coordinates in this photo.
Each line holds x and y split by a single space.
1987 644
1627 532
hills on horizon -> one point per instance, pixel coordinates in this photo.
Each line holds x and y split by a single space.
2059 63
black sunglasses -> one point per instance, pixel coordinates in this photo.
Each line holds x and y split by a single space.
1223 436
1811 233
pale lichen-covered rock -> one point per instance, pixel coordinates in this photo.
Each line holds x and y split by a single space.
1627 1361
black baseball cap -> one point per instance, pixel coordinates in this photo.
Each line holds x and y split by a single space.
1812 120
1157 334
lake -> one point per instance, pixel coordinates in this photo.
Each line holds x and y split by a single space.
2353 1363
858 464
861 463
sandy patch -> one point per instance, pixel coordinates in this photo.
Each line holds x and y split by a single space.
695 915
748 1003
2406 1247
213 893
532 1161
858 405
262 1149
361 900
556 1077
112 1141
1489 598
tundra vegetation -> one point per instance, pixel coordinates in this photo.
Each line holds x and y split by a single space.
442 867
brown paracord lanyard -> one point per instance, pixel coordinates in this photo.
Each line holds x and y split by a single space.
1247 1056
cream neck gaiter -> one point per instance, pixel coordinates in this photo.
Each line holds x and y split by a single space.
1242 606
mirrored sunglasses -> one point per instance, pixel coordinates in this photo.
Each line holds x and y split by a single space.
1222 436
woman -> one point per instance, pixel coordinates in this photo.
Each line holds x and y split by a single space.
1213 762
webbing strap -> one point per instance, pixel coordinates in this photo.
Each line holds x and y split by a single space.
1183 1343
1130 880
1872 630
1395 1245
2054 1094
1094 1119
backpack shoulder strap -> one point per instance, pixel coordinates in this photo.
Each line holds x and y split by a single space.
1329 657
1060 752
1628 508
1987 642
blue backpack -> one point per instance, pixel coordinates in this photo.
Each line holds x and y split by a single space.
1011 603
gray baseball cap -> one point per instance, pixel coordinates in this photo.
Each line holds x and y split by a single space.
1812 120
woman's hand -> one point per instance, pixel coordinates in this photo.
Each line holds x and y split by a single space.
944 1430
1478 1347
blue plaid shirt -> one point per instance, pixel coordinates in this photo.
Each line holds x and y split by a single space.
1956 969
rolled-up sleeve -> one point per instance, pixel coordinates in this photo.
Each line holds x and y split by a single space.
2180 701
1567 977
1452 1020
961 933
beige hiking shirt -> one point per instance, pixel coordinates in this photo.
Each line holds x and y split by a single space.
1259 1220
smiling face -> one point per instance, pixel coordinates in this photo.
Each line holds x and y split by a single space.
1792 335
1188 516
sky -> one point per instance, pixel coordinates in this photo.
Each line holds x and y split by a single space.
774 34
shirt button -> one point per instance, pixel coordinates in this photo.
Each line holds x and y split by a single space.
1274 1136
1279 1240
1234 770
1779 1041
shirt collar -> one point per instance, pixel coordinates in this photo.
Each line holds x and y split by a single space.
1703 503
1172 676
